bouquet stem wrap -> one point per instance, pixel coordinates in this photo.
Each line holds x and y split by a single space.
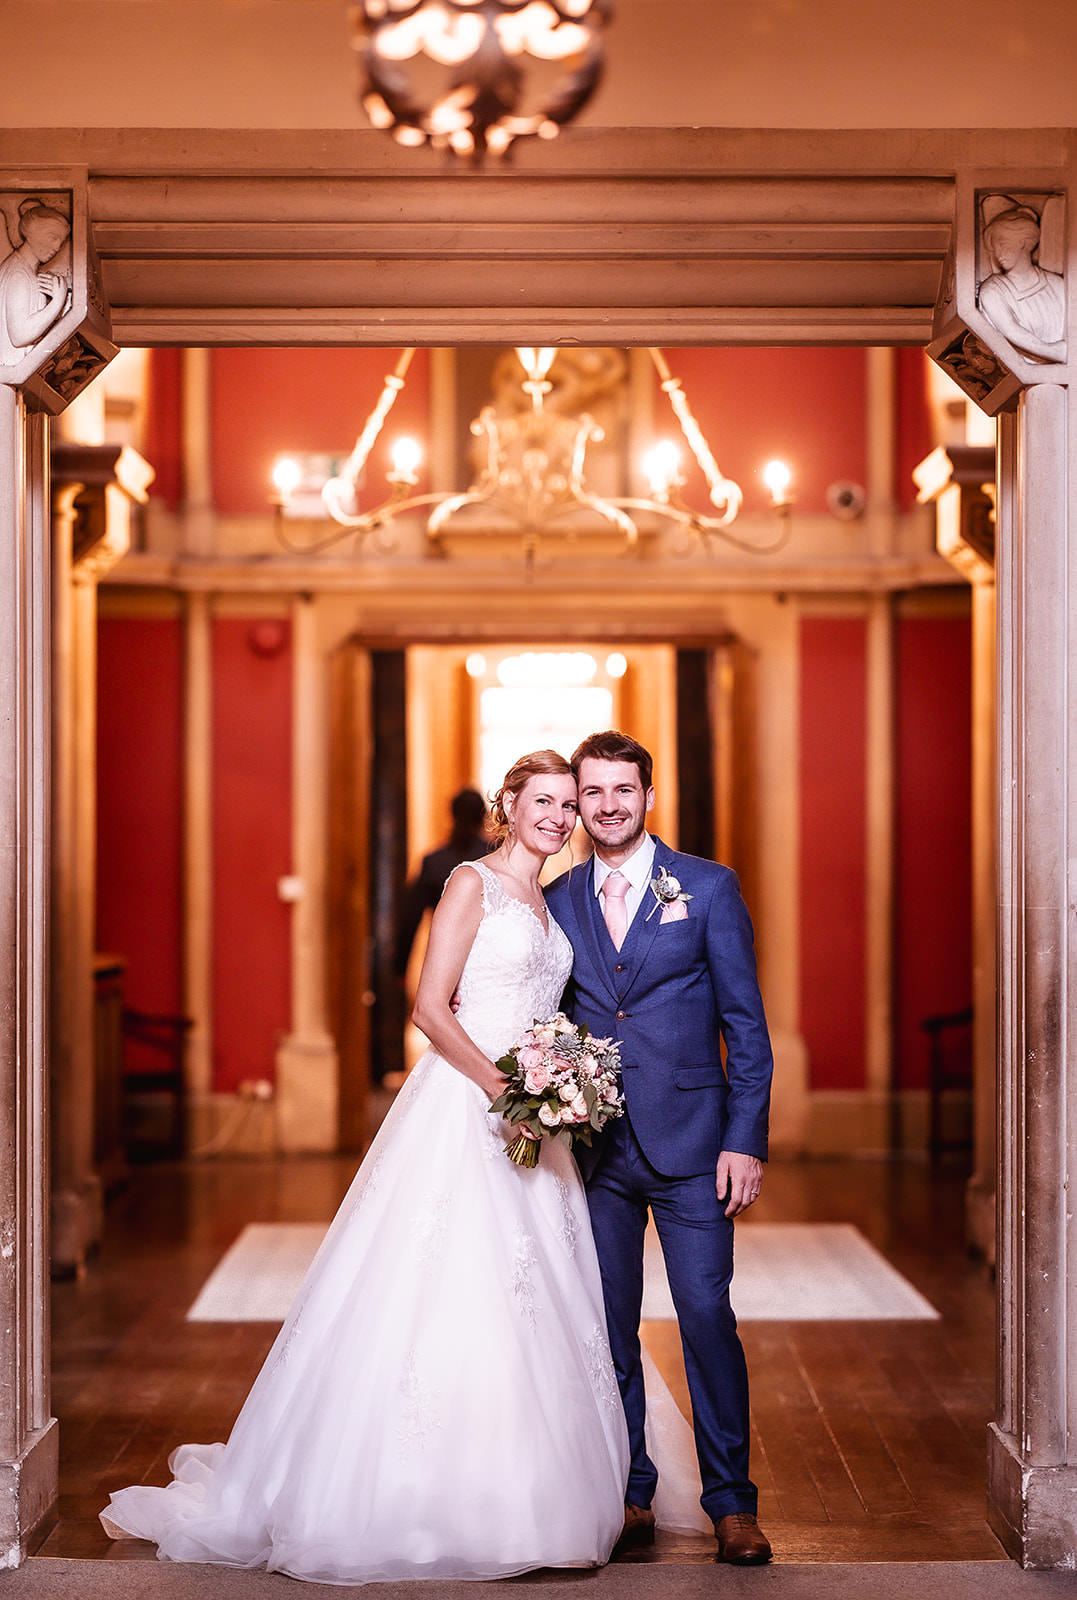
523 1152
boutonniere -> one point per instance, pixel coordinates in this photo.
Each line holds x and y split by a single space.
670 896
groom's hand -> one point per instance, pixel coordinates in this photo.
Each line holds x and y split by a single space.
738 1180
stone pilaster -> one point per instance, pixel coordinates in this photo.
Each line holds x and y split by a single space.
879 869
307 1089
1014 364
1032 1477
76 1197
93 489
960 480
198 860
28 1435
55 341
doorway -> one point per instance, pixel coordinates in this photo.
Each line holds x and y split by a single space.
843 179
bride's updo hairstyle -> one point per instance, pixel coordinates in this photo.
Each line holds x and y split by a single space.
539 764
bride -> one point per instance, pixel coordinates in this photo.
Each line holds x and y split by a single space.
440 1402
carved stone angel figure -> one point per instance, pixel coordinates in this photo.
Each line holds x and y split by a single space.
30 300
1026 303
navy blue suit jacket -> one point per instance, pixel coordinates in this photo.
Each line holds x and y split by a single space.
669 996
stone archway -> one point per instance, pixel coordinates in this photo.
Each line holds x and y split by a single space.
710 237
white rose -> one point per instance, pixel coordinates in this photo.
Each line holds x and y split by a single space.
671 885
549 1117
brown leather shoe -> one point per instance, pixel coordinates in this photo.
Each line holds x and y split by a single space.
741 1540
638 1529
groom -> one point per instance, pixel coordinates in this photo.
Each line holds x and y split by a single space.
665 964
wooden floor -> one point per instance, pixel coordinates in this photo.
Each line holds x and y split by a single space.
868 1438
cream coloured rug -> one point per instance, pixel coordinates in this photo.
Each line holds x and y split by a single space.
786 1272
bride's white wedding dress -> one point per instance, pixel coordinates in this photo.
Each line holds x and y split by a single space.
440 1401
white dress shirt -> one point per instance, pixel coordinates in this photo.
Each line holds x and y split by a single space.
638 869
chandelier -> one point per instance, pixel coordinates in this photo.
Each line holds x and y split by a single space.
451 73
533 477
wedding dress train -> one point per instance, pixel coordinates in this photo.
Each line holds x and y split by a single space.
440 1401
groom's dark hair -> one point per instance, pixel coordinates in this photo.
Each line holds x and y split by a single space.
613 746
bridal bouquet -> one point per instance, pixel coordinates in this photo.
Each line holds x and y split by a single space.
562 1085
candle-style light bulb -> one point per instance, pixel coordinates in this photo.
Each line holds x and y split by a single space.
777 477
406 458
287 475
536 361
661 467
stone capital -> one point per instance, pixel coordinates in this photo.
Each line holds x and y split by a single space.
960 480
1000 322
87 482
55 326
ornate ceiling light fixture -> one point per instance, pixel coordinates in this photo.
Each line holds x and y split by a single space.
471 76
532 480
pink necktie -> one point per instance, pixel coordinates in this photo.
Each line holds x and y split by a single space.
614 909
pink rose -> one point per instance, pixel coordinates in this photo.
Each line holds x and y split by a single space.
537 1077
549 1117
529 1056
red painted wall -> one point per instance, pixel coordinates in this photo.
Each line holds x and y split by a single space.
139 809
267 402
933 854
913 436
164 425
252 824
805 406
832 848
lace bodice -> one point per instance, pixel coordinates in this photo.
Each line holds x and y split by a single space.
515 971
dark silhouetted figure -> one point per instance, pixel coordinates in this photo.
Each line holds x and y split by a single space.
467 842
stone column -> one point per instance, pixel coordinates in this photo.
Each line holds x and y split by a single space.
1018 369
879 866
198 864
199 520
880 432
94 486
76 1198
960 480
307 1093
28 1435
57 351
1032 1480
980 1193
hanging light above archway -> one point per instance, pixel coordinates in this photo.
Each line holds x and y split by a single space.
472 76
